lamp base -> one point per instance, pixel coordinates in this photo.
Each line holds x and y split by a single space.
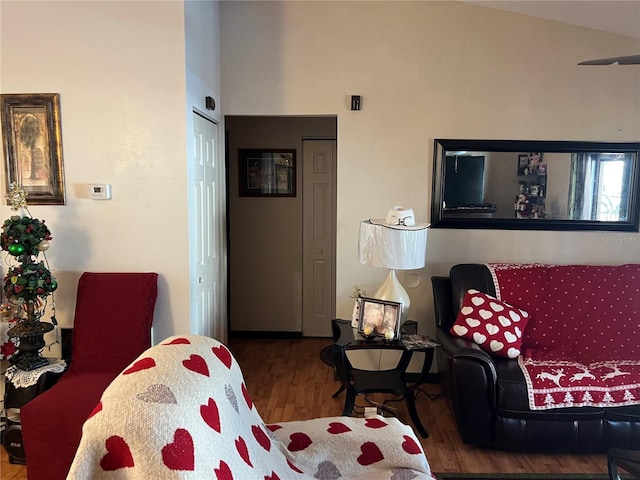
393 291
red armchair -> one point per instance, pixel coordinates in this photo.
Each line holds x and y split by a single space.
112 326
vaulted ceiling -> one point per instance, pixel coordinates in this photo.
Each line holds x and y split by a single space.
614 16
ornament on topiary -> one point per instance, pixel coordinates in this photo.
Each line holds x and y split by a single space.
24 236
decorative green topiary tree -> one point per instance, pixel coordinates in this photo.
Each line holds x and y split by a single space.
28 282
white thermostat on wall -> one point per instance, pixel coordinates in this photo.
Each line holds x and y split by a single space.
100 191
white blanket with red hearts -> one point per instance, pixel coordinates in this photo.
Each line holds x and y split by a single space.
580 347
182 411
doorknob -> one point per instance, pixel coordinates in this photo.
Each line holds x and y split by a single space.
320 251
199 279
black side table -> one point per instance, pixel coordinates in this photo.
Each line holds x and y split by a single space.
358 382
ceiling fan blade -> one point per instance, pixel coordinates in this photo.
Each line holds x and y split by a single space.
626 60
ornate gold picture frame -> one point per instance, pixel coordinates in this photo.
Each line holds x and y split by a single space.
32 138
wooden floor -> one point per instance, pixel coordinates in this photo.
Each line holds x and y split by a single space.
287 381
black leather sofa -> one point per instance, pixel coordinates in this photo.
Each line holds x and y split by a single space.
489 395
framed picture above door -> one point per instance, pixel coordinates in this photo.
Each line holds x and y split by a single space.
267 172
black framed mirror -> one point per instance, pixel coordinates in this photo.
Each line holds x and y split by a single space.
536 185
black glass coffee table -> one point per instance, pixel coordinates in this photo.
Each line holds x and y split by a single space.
627 460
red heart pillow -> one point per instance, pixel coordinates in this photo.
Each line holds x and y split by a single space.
494 325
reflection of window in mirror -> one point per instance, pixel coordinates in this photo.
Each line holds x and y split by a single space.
599 186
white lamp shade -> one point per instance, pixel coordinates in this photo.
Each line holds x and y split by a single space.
386 247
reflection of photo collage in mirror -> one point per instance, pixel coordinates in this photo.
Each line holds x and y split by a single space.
529 202
531 164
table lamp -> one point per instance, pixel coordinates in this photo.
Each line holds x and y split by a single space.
395 246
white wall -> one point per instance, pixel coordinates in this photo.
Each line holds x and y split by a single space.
502 181
430 70
202 46
120 70
558 184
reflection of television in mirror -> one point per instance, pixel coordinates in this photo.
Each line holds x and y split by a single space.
464 181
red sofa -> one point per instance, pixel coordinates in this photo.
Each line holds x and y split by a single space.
112 326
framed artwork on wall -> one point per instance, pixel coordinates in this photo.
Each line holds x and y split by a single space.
267 172
32 137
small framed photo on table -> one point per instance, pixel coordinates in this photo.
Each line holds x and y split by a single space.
379 318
